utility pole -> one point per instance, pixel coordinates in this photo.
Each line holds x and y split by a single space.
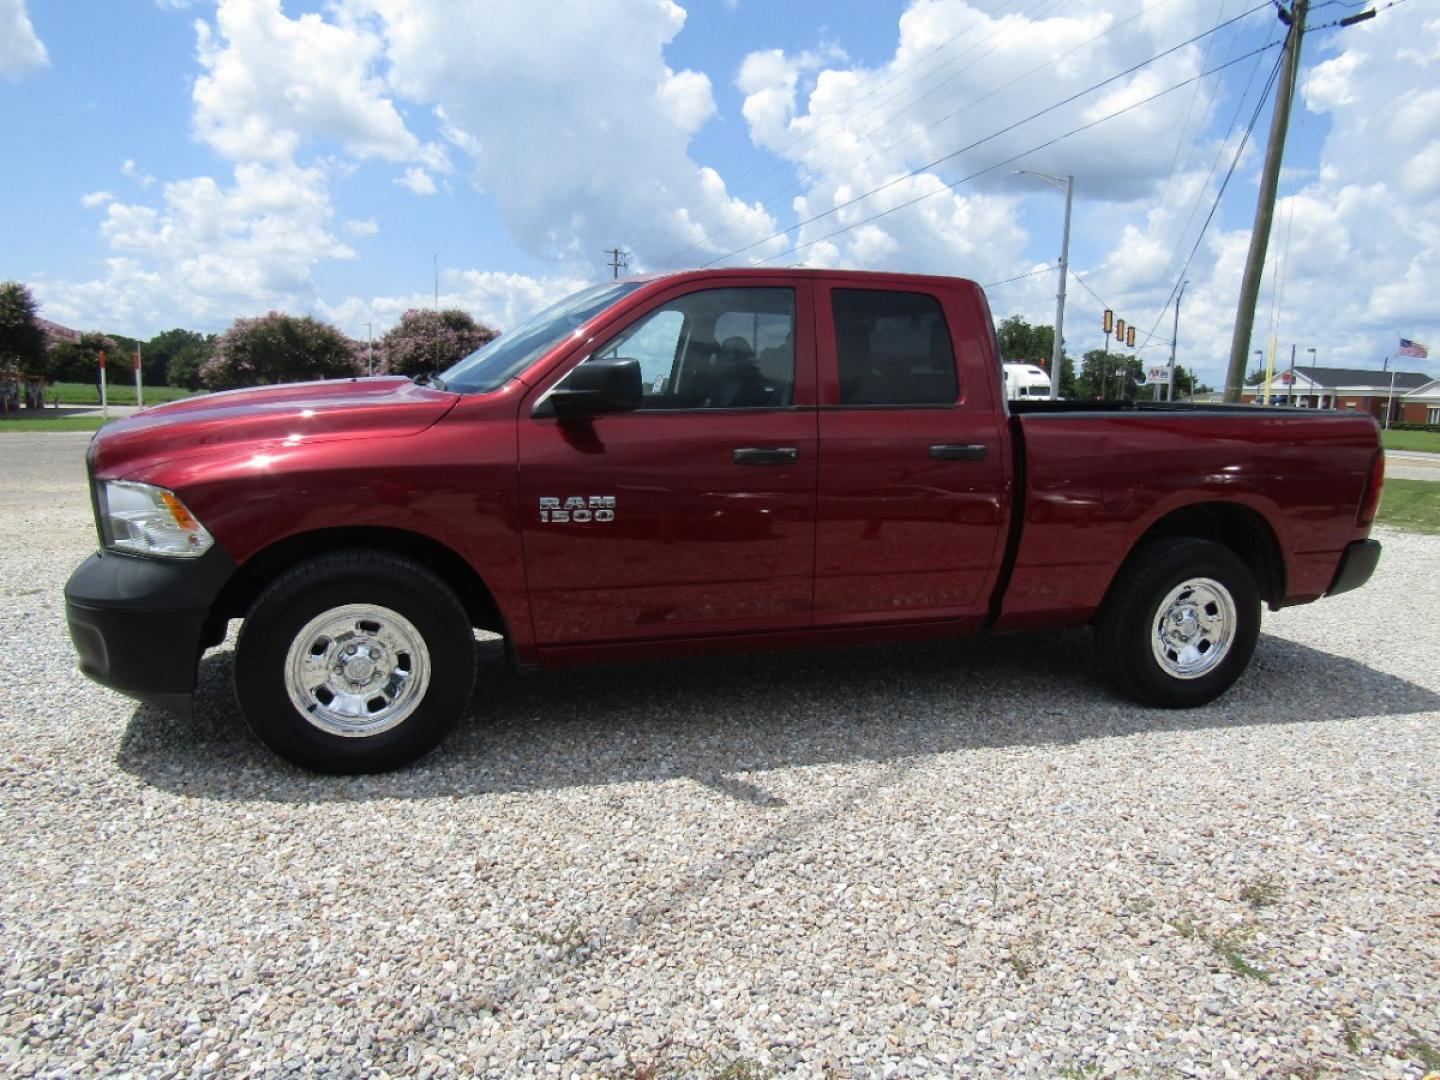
619 260
1174 341
1057 354
1057 351
370 337
1265 207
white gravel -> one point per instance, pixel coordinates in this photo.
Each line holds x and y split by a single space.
961 859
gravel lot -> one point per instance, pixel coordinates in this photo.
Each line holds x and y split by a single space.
961 859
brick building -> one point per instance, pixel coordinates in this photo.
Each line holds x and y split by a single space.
1363 389
1422 406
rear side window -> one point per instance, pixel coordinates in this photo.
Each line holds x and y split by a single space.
893 348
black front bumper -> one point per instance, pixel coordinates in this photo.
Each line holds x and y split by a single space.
139 624
1357 563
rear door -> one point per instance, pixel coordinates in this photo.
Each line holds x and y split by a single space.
913 481
696 514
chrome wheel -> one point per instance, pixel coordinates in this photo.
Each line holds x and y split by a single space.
1194 628
357 670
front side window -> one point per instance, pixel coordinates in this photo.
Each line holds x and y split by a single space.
714 349
495 363
892 348
1432 415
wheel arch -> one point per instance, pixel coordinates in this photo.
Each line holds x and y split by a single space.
1242 529
241 591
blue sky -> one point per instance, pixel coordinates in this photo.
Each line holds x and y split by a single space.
190 162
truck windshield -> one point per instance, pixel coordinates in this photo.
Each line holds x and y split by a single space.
493 364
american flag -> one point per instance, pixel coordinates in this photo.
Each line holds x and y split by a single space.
1413 348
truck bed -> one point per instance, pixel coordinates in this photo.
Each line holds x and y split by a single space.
1091 477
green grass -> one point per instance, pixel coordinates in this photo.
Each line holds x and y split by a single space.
69 393
1412 505
1262 892
71 423
1411 440
1428 1056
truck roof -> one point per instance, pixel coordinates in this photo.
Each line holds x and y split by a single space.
875 276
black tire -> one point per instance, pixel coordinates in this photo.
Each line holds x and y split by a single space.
390 654
1172 671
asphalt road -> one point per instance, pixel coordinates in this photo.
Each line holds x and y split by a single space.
1412 465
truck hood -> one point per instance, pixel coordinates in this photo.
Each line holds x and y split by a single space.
292 414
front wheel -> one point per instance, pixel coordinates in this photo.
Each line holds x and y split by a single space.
1180 624
355 662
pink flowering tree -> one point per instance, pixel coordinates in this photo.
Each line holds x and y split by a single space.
426 341
279 348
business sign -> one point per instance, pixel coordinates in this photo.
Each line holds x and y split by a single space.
1157 375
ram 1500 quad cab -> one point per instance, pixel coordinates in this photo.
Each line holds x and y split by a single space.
691 463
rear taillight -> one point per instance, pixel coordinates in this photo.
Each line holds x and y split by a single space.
1374 484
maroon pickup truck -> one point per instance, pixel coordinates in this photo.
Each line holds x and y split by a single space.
692 463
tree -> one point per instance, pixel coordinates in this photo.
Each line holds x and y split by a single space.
279 348
157 353
79 362
1035 344
1186 383
426 341
1110 376
22 342
186 362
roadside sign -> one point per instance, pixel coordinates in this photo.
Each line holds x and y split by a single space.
1157 375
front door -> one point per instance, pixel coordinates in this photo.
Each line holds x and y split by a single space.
696 514
912 465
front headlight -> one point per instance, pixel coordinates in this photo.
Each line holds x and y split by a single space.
147 520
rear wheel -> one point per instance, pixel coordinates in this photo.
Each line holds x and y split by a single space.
355 662
1180 624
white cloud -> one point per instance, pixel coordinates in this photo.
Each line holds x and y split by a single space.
209 252
958 78
418 181
1363 229
21 52
577 127
579 156
95 198
499 300
272 82
134 172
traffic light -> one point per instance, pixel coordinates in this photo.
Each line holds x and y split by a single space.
1130 336
1119 331
1107 322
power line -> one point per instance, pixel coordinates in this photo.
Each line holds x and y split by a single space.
842 118
815 182
1020 277
1189 111
1215 164
805 136
1005 130
1215 206
1010 160
1104 306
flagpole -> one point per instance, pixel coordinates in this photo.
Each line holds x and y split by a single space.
1390 401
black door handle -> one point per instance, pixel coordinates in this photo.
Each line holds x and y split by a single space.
764 455
959 451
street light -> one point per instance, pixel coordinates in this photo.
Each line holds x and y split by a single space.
1313 389
1258 392
1057 351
